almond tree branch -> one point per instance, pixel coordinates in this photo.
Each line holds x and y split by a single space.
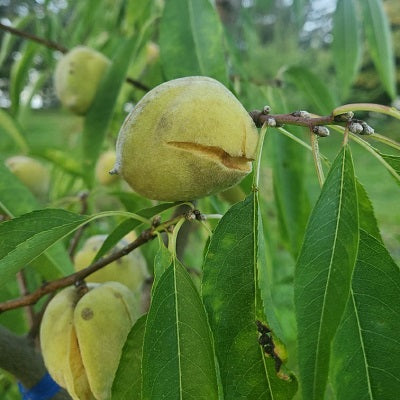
315 124
49 287
19 358
56 46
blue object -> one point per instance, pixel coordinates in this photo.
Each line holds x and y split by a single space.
45 389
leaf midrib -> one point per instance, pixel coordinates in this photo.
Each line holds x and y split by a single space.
329 273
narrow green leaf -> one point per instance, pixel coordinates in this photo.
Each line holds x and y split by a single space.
313 89
9 39
178 357
347 44
19 74
366 350
230 295
323 273
11 128
24 238
290 191
99 115
127 383
377 31
191 40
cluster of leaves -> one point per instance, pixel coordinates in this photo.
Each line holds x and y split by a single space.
318 276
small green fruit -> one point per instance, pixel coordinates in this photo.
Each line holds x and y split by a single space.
31 173
185 139
77 77
104 165
129 270
82 338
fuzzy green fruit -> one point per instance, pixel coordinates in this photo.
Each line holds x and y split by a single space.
77 77
104 165
129 270
82 338
186 139
31 173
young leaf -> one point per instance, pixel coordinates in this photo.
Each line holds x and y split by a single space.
377 31
313 89
127 383
323 273
366 350
191 40
230 295
99 115
178 357
347 44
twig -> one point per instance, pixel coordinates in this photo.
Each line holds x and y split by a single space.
23 288
78 234
314 123
48 43
56 46
52 286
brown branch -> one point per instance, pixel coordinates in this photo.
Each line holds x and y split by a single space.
23 288
49 287
315 124
48 43
21 359
56 46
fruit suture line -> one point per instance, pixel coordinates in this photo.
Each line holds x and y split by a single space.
49 287
58 47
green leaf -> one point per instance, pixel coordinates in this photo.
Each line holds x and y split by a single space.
127 383
178 357
24 238
366 350
16 200
191 40
323 273
162 260
377 31
313 89
366 213
100 113
10 127
347 44
394 162
289 189
9 39
19 74
230 295
129 225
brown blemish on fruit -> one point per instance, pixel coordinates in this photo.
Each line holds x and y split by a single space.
87 313
216 153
